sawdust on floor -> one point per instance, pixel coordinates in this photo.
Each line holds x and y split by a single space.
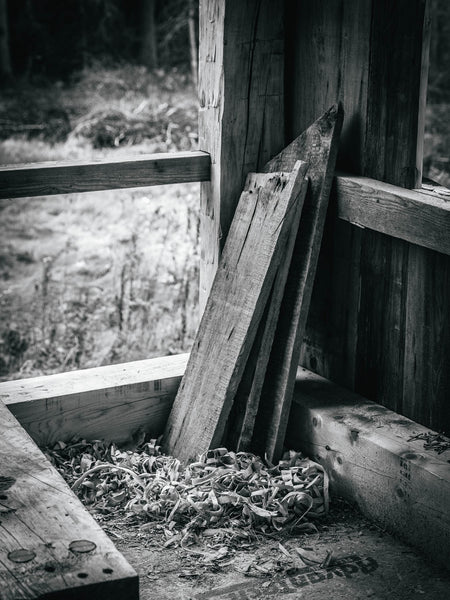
347 558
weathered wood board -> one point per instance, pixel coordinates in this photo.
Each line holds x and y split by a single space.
380 336
412 215
269 208
50 546
45 179
321 412
246 401
318 145
239 427
367 452
113 402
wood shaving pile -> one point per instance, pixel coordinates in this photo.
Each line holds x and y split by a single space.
222 489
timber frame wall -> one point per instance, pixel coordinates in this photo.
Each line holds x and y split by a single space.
379 317
379 320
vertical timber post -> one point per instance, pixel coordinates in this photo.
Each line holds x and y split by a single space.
241 119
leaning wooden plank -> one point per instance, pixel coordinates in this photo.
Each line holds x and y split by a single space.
239 427
50 546
113 402
318 145
252 254
45 179
246 400
372 461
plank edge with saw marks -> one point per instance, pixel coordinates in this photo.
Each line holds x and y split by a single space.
245 275
318 145
246 401
43 522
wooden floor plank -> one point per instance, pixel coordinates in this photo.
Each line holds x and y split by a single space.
318 146
269 207
50 546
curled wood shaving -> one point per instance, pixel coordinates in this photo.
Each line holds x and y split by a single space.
433 441
222 492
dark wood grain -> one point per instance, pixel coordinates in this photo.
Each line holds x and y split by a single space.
395 103
365 315
333 67
426 390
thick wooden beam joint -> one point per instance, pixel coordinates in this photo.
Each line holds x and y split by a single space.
241 116
372 461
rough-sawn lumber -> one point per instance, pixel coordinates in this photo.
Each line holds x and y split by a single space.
67 177
239 430
50 546
417 216
269 208
372 461
318 145
360 443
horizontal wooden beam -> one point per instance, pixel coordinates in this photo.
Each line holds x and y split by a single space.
50 546
365 448
112 402
417 216
45 179
412 215
371 460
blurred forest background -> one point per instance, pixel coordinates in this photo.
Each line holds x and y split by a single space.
437 125
107 277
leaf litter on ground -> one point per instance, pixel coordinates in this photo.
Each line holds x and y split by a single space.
224 499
